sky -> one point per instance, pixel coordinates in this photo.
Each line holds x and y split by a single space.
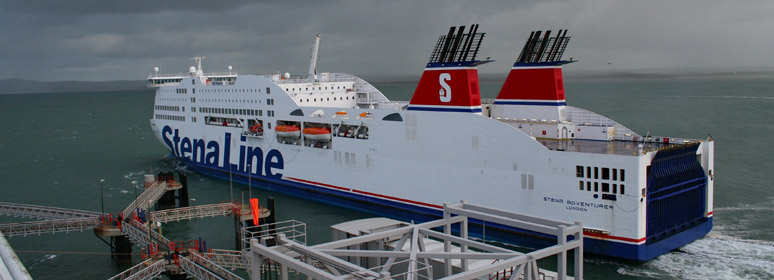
124 40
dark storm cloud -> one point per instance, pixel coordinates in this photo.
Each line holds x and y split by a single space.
105 40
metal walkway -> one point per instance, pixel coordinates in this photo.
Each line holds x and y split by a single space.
42 212
211 267
138 234
199 211
149 269
49 226
147 198
230 259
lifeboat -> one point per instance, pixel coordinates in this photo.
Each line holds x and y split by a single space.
256 128
317 133
288 131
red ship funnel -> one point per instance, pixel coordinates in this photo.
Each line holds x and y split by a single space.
533 85
450 80
534 88
448 89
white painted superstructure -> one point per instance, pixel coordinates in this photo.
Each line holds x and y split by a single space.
398 161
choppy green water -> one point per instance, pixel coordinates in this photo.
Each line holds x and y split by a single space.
55 148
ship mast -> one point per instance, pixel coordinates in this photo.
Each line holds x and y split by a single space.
313 64
198 60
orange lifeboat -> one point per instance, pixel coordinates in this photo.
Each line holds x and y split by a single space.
288 131
317 133
256 128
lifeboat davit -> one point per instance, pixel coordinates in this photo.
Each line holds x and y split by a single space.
317 133
288 131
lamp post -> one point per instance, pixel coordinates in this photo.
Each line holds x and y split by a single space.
101 195
134 203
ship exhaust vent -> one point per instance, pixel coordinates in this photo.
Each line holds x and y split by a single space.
457 47
545 49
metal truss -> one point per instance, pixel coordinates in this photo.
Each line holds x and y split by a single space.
143 270
215 268
199 211
138 233
408 257
147 198
198 272
42 212
228 258
49 226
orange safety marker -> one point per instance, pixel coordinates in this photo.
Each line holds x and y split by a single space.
255 210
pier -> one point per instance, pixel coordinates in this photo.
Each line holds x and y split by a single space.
376 248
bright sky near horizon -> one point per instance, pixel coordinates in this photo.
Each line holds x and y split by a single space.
124 40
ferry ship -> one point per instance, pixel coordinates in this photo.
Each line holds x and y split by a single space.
336 139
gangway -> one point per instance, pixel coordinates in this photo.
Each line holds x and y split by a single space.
42 212
231 259
147 198
148 269
198 211
49 226
211 267
138 233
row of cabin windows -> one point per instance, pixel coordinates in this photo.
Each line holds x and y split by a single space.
607 173
168 108
229 100
181 90
270 101
268 90
606 187
170 117
318 88
328 99
230 111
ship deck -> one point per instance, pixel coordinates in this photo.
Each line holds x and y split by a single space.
616 147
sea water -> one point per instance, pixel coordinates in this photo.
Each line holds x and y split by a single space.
56 147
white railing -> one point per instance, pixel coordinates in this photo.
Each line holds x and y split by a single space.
292 229
42 212
49 226
143 270
138 233
228 258
214 267
147 198
198 211
581 116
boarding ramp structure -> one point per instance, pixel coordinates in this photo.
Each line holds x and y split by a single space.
406 251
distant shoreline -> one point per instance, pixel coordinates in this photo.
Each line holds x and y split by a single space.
20 86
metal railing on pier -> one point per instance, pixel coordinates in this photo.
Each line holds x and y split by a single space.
138 233
144 270
199 272
231 259
198 211
213 267
42 212
49 226
147 198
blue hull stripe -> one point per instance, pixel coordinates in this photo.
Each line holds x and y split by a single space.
413 108
409 212
535 103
